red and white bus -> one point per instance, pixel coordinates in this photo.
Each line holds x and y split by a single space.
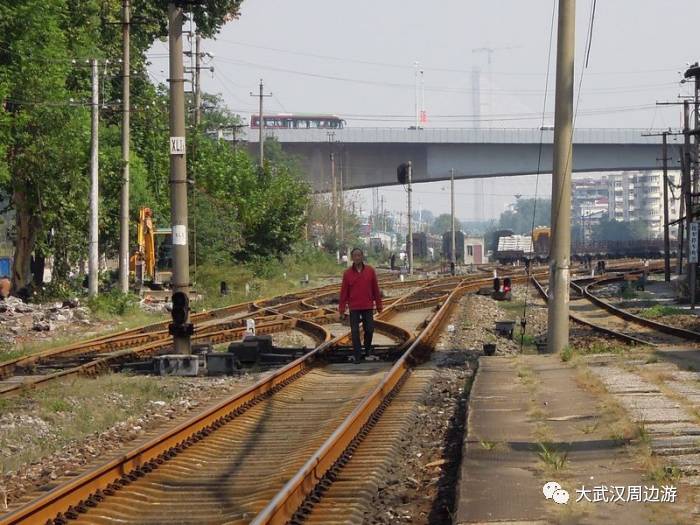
292 121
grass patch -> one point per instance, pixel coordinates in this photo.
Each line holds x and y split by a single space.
566 354
658 310
264 277
553 459
663 475
113 303
487 444
512 307
46 420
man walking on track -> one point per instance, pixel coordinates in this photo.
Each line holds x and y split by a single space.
360 291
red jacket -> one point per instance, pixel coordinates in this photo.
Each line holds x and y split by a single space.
359 290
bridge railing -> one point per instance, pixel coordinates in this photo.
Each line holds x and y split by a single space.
456 135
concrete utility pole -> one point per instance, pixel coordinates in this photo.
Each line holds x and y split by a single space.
178 172
688 193
126 131
93 267
335 196
667 242
261 95
558 312
453 258
409 244
665 158
692 155
341 203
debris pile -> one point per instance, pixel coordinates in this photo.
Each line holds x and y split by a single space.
18 318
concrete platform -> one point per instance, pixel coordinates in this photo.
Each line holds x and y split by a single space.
517 405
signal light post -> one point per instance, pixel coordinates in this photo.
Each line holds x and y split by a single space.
181 329
404 173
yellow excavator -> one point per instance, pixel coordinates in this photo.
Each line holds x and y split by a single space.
150 255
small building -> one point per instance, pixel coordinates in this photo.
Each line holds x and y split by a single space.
473 250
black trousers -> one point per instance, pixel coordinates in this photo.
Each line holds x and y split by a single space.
366 316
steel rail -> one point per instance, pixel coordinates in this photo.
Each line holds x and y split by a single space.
607 331
619 312
74 496
284 505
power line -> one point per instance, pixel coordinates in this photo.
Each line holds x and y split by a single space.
427 68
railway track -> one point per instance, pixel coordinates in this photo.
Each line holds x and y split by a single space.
264 451
288 312
588 309
307 311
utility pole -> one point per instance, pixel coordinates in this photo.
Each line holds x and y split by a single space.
181 329
409 244
692 156
126 131
93 267
341 202
665 158
688 194
197 82
558 313
335 197
261 95
453 257
667 242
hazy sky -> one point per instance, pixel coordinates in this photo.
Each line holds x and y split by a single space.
356 60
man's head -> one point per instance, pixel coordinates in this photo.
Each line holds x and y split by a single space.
356 255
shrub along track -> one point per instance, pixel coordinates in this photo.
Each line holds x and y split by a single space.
227 463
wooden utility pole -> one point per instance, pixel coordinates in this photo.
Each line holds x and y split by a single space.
93 263
126 143
558 312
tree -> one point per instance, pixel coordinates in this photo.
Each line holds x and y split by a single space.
443 223
520 218
44 122
612 230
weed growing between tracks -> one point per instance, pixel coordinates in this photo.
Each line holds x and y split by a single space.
658 310
43 421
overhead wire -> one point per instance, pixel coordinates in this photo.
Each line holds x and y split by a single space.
523 321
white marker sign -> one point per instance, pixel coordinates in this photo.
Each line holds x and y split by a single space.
179 235
693 243
177 145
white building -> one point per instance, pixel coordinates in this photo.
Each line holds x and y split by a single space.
628 196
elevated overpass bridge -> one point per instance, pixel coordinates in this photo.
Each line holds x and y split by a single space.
368 157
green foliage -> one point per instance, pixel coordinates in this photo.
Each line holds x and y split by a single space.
551 457
443 223
566 354
520 218
113 303
45 138
612 230
661 311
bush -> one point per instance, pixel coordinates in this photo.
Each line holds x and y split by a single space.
113 303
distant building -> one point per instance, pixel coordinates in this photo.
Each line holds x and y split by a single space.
625 197
473 250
